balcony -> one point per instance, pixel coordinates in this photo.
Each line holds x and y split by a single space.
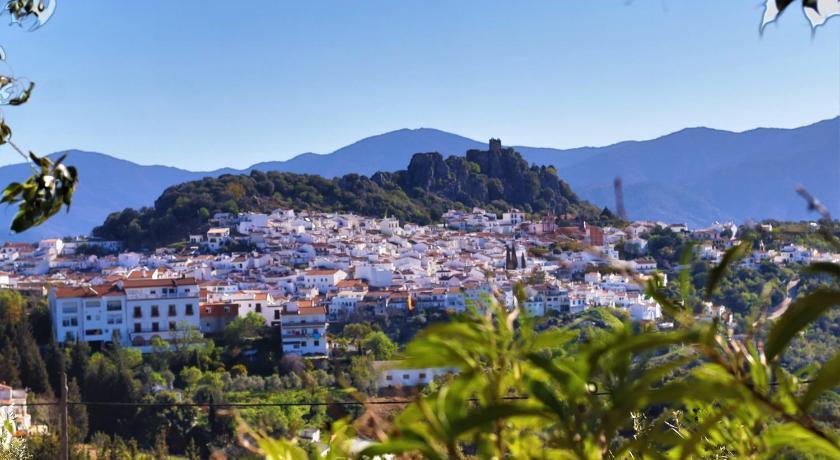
289 325
161 295
300 334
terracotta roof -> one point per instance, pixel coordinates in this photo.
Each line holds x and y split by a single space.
160 282
320 272
86 291
312 311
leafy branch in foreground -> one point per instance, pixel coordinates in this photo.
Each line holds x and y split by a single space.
52 184
43 194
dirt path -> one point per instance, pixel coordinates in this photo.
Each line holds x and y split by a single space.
782 306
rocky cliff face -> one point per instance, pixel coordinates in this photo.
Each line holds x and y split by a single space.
499 177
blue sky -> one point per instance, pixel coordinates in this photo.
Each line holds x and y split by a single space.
200 85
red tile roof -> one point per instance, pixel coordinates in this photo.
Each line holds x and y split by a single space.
86 291
160 282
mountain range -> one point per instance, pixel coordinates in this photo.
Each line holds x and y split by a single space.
696 175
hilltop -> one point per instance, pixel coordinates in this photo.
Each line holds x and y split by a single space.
496 179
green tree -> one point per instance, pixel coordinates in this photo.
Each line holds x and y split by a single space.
355 332
79 357
244 329
33 370
10 364
379 345
77 413
190 376
362 374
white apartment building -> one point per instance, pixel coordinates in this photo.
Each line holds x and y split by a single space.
252 222
343 304
135 310
322 280
377 275
645 311
304 329
217 237
513 217
158 307
390 226
392 374
88 313
251 301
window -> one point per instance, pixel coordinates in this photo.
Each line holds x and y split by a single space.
422 375
405 376
70 307
155 327
138 313
93 304
259 308
155 311
136 327
389 377
173 311
153 291
189 309
276 314
316 343
172 326
114 305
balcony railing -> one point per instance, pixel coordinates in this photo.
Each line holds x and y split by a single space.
162 295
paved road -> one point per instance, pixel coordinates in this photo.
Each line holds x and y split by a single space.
782 306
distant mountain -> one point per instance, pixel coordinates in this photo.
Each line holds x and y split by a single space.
386 152
496 179
106 184
696 175
699 175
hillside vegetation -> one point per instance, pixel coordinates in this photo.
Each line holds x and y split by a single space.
496 179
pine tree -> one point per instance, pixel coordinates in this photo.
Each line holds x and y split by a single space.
53 356
33 370
77 413
522 263
514 261
10 364
508 265
78 362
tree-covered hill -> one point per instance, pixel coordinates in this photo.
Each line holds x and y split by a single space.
495 179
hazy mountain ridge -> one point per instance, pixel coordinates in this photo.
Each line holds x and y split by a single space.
695 175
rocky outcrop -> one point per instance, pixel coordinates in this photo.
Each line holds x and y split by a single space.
497 177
